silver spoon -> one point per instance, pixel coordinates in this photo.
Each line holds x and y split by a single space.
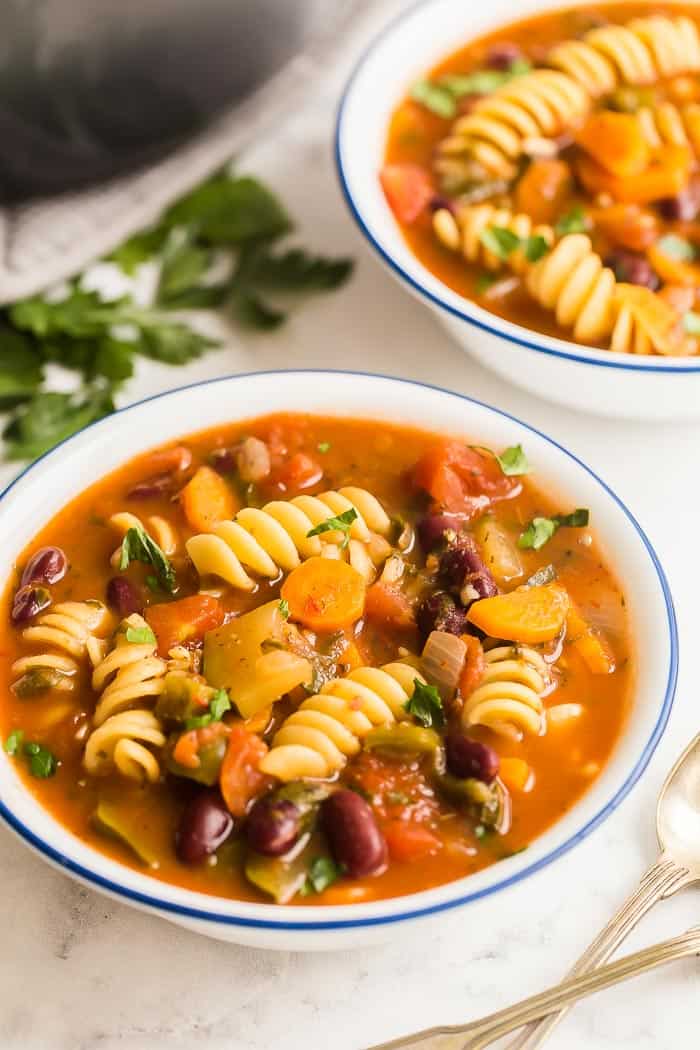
678 865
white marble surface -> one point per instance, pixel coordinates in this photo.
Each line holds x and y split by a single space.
79 972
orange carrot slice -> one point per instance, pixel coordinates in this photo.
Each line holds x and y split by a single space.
325 594
529 614
516 774
207 499
616 142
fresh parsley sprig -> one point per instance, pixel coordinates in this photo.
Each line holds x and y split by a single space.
137 545
218 706
502 242
338 523
426 705
541 530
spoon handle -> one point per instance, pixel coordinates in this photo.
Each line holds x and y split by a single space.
478 1034
661 880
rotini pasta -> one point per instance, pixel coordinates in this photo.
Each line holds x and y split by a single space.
65 631
130 674
667 124
572 281
275 538
536 105
639 52
510 693
317 739
158 528
462 232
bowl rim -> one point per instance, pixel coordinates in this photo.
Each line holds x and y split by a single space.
395 913
513 333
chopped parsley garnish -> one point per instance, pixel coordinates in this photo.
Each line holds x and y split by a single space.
137 545
218 706
513 461
484 281
341 523
573 221
140 636
323 447
441 96
436 97
284 608
152 583
541 530
426 705
502 242
42 763
322 873
14 741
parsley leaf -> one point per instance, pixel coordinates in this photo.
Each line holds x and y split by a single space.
14 741
250 311
502 242
541 530
323 447
49 417
573 221
137 545
230 210
484 281
139 248
513 461
298 271
438 98
218 706
322 873
42 763
341 523
184 264
284 608
20 367
535 247
140 636
426 705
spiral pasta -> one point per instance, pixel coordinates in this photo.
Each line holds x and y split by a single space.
158 528
667 124
130 674
536 105
64 632
572 281
276 537
510 692
316 740
462 232
640 52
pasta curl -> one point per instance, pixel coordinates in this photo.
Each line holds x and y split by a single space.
510 692
316 740
670 125
159 529
462 232
65 631
275 538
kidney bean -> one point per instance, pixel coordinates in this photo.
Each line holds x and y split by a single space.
28 601
204 826
223 460
470 758
152 487
123 596
47 565
167 460
440 612
431 529
462 567
353 835
253 460
503 55
684 206
439 202
634 269
273 826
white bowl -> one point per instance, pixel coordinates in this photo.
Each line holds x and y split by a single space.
45 487
617 385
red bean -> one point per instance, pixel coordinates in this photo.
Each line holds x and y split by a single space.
123 596
47 565
29 601
470 758
632 268
152 487
272 827
431 529
440 612
353 835
204 826
224 460
461 565
502 56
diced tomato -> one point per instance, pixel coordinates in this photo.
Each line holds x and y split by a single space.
474 665
409 841
187 749
240 779
299 472
388 606
408 190
184 621
462 479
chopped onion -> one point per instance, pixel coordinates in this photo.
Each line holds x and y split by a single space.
443 662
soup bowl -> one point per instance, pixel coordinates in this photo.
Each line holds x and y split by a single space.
48 484
597 381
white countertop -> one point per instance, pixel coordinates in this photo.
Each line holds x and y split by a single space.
79 972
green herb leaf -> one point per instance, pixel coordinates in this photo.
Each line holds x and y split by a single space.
426 705
49 417
20 367
297 271
573 221
500 240
137 545
438 98
322 873
535 247
230 210
284 608
541 530
152 583
140 248
14 741
513 461
341 523
42 763
483 282
677 248
323 447
691 322
140 636
250 311
218 706
184 265
484 81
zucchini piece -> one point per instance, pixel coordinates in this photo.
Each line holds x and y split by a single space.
118 822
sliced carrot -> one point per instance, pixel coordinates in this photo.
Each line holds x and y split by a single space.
666 175
529 614
407 188
407 840
516 774
325 594
388 606
593 650
474 665
674 271
187 620
240 779
208 499
543 190
627 225
616 142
